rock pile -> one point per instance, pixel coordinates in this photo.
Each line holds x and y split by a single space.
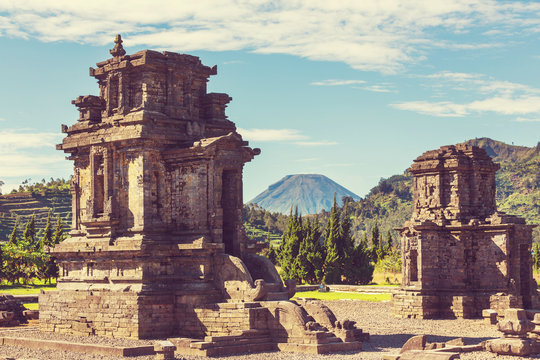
11 311
516 339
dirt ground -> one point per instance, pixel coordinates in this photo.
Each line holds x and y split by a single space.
388 334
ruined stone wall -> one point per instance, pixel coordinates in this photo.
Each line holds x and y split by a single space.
113 314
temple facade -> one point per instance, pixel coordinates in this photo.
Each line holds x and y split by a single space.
461 255
157 247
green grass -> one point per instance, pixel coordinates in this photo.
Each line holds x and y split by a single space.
32 306
34 288
343 296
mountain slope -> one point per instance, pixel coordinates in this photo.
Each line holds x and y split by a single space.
310 192
501 152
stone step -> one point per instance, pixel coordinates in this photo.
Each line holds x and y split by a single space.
228 345
320 348
231 342
241 349
277 296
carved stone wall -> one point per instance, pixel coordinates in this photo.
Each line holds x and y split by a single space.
460 255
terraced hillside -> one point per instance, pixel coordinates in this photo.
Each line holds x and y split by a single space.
23 205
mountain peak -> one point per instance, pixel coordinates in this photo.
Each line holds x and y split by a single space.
310 192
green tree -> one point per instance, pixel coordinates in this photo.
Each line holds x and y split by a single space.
58 235
47 239
13 236
389 243
360 269
536 255
30 242
290 247
317 254
375 241
332 264
1 184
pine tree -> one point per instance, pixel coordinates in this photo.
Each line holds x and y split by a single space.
375 237
361 268
536 255
13 236
317 255
389 242
304 268
290 247
332 266
47 239
29 235
381 249
58 235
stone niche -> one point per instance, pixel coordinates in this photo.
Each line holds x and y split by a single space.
461 255
157 247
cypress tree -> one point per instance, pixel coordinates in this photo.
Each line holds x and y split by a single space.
302 265
332 264
317 255
47 239
290 247
389 242
29 234
375 237
361 268
536 255
58 235
13 236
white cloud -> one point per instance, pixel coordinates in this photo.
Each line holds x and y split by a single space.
316 143
11 140
501 97
335 82
379 88
27 153
441 108
363 34
271 134
339 165
523 119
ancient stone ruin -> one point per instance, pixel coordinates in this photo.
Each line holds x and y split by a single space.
157 248
461 255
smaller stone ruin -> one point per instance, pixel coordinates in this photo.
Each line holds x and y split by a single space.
461 255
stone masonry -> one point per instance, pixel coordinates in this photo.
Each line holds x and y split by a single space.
461 255
157 248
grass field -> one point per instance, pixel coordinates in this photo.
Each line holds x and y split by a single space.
35 288
32 306
332 295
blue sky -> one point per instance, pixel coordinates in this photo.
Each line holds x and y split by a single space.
354 90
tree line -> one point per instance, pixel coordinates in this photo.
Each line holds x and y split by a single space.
24 258
311 253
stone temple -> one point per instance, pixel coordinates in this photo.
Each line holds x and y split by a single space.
461 255
157 247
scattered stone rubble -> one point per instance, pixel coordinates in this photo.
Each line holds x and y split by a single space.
12 312
418 348
520 334
461 255
157 248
